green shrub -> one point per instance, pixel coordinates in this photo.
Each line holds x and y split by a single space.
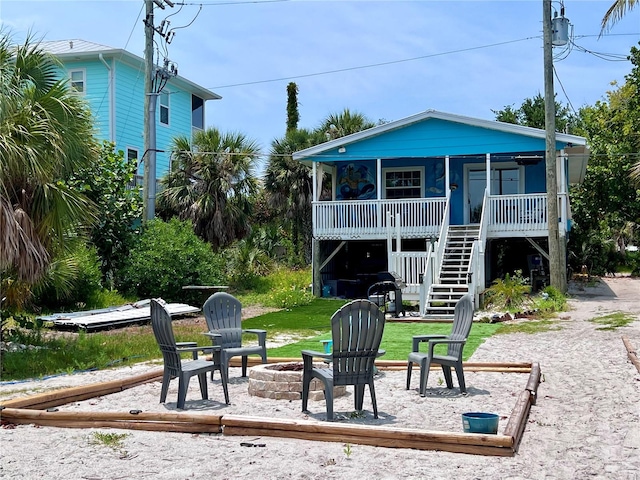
633 263
550 300
509 293
167 256
71 281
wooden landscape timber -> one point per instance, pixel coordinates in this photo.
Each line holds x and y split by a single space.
75 394
513 367
631 353
29 410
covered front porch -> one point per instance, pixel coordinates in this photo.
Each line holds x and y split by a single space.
519 215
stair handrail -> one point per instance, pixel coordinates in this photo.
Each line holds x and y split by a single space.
476 262
427 278
442 239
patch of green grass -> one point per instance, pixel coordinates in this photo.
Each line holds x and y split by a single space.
114 441
529 326
613 321
87 351
306 319
282 289
396 340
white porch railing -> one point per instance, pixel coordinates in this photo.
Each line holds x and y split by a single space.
524 214
410 266
367 219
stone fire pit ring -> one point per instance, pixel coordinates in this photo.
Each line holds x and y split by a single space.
283 381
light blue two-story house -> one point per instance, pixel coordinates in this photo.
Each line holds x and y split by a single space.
447 202
112 81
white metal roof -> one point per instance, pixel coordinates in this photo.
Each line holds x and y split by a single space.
82 49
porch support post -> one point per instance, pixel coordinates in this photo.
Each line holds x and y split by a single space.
379 213
446 176
316 278
488 165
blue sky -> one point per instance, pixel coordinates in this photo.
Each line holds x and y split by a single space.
463 57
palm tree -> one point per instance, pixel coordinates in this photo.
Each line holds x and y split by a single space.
289 183
615 13
289 186
46 133
345 123
212 184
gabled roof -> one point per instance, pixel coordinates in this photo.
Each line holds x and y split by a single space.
572 140
77 49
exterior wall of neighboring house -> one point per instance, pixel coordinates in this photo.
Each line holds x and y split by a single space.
96 91
128 98
113 82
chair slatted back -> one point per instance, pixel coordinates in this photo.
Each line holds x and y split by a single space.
163 331
462 321
223 313
357 330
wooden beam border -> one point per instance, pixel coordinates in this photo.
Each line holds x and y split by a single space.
632 354
32 410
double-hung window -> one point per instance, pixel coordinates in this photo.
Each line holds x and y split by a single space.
403 183
78 82
164 108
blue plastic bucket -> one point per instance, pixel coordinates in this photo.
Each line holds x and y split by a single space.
480 422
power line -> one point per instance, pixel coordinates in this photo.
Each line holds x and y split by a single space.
555 72
215 4
372 65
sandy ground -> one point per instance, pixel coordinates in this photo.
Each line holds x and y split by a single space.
586 423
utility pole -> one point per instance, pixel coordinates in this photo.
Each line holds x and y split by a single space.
150 101
149 185
557 262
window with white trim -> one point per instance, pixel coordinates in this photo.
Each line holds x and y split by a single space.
403 183
197 112
78 82
164 108
133 154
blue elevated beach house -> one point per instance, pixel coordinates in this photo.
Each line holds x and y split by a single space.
112 81
447 203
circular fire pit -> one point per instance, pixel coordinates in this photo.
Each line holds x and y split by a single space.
283 381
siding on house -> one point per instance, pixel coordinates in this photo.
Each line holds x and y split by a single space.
115 95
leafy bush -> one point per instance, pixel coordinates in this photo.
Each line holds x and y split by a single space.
633 263
167 256
550 300
247 262
108 183
509 293
71 281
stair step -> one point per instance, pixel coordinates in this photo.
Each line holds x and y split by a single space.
438 316
456 288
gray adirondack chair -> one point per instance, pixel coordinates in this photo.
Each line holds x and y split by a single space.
223 313
174 366
462 320
356 331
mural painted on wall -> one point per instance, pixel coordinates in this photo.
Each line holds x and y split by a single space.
434 178
356 181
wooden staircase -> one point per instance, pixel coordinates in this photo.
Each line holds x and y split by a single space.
445 292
